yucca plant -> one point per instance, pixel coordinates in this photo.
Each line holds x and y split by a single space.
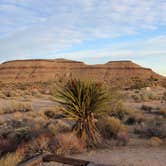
81 101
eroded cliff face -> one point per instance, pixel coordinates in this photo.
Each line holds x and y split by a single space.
44 70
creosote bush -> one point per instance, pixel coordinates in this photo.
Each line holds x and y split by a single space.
82 101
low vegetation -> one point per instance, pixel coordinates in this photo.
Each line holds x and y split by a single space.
86 117
11 159
16 107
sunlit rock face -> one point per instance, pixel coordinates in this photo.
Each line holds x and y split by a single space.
113 72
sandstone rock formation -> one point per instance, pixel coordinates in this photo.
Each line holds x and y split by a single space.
115 72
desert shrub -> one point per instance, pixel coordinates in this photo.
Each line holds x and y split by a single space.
131 120
8 93
164 96
59 127
134 118
152 129
136 97
14 107
137 91
39 145
68 143
2 95
138 84
118 111
5 146
23 133
12 134
146 108
36 92
144 97
116 107
12 159
81 101
110 127
122 138
53 115
23 107
162 112
155 141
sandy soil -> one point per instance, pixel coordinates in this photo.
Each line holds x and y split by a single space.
128 156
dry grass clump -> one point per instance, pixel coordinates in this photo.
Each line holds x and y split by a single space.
68 143
147 94
59 126
9 93
110 127
11 159
134 118
37 146
155 141
162 112
54 114
154 128
118 110
16 107
146 108
2 95
164 96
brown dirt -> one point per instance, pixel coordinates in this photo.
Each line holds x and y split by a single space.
127 156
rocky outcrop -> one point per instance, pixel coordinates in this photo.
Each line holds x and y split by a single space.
44 70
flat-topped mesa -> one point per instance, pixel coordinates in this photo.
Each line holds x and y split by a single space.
123 64
35 70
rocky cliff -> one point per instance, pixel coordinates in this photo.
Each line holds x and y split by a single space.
115 72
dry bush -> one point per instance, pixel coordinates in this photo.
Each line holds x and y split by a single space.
146 108
154 128
39 145
14 107
136 97
11 159
53 114
162 112
36 92
134 117
2 95
23 107
9 93
122 138
68 143
5 145
164 96
155 141
110 127
118 110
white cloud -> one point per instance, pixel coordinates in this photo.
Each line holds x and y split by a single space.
44 27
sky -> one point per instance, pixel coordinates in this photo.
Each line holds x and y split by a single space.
93 31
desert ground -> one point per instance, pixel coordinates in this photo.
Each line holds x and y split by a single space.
141 111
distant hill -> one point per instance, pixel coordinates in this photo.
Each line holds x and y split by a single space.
120 73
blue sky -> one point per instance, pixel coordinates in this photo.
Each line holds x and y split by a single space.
93 31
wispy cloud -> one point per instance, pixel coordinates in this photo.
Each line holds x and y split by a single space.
35 28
